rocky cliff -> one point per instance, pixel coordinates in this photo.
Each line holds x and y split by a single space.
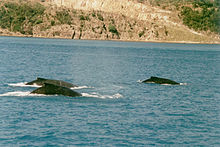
114 19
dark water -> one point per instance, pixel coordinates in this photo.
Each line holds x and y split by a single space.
116 109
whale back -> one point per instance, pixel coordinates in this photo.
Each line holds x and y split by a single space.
38 81
60 83
51 89
160 81
42 81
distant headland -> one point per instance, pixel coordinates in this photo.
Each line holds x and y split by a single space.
126 20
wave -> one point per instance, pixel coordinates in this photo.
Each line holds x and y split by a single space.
96 95
28 93
183 84
20 94
81 87
22 84
165 84
139 81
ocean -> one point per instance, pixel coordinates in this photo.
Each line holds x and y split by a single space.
116 109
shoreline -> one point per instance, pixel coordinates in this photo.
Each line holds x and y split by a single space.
139 24
117 40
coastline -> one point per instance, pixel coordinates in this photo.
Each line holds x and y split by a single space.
117 40
56 22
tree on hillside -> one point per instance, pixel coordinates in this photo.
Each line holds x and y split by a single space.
203 15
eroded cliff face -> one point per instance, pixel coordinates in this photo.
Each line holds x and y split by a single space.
128 8
157 24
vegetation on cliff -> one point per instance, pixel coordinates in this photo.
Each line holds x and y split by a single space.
202 15
21 17
24 17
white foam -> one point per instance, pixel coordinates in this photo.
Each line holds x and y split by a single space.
22 84
151 82
81 87
20 94
96 95
172 84
139 81
167 84
93 95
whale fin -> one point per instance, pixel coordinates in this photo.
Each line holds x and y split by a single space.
41 78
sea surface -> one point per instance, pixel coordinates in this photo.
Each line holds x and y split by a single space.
116 109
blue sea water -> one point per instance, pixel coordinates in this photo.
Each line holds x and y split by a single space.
116 109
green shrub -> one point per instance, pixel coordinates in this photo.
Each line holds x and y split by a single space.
39 21
100 17
93 14
10 5
141 33
113 29
81 17
17 28
63 17
52 23
87 18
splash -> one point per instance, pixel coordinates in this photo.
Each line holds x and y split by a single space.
167 84
96 95
139 81
20 94
81 87
182 84
22 84
93 95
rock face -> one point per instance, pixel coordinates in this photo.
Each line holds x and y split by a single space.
158 80
139 22
50 89
42 81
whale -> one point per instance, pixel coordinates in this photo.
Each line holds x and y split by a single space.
42 81
51 89
158 80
